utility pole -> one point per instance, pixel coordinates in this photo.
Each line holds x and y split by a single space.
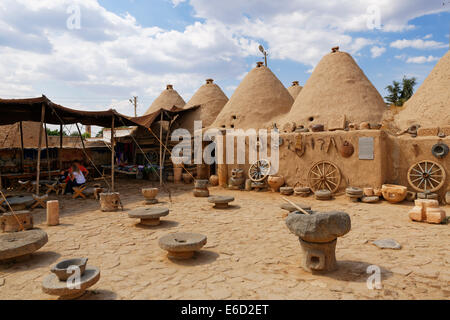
134 102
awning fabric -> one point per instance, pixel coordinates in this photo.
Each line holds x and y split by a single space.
15 110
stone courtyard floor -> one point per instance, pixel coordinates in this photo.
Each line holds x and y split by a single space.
250 253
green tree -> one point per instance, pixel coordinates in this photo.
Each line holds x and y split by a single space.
55 132
399 93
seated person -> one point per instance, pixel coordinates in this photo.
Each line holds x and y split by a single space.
62 176
76 179
80 167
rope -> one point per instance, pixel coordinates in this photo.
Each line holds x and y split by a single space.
87 156
12 211
148 160
182 165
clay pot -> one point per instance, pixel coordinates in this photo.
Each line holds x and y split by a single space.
149 193
187 178
394 193
214 180
368 192
275 182
377 192
347 149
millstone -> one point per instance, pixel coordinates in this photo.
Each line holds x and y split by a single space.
66 289
372 199
289 207
182 245
149 216
18 244
319 227
220 202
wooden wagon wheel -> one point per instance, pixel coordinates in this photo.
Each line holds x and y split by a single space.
324 175
259 170
426 176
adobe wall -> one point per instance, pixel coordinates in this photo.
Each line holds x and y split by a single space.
294 166
393 156
405 151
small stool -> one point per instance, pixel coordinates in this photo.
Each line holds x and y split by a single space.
52 187
78 192
40 201
25 185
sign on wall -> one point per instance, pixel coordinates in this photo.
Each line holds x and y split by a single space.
366 148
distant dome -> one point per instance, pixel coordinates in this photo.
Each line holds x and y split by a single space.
258 99
211 100
166 100
295 89
337 87
430 105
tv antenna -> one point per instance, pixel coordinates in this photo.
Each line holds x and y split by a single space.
264 52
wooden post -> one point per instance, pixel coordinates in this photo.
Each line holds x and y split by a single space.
38 169
53 213
160 149
113 155
48 153
60 146
21 147
167 141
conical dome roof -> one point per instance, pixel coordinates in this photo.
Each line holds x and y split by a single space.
295 89
166 100
430 105
211 100
336 88
258 100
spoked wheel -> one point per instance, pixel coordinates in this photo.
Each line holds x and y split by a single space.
259 170
426 176
324 175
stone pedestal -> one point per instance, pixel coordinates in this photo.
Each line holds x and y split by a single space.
319 257
53 213
182 245
220 202
149 216
201 188
110 202
19 245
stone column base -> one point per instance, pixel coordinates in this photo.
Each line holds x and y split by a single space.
319 257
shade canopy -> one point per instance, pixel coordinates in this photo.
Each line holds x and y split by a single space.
15 110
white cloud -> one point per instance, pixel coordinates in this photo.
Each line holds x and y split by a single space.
417 44
428 36
114 56
421 59
377 51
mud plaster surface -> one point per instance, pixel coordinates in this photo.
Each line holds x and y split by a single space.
250 253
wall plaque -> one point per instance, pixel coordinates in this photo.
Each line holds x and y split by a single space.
366 148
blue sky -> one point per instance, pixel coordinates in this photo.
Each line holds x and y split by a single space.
135 47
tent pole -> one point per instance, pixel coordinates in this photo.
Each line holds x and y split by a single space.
112 154
39 149
160 149
60 146
48 153
21 147
167 141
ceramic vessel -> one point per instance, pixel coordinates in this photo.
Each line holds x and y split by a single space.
275 182
394 193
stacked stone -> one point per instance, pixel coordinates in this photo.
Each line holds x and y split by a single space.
323 194
237 179
427 210
354 193
318 235
201 188
302 191
287 191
